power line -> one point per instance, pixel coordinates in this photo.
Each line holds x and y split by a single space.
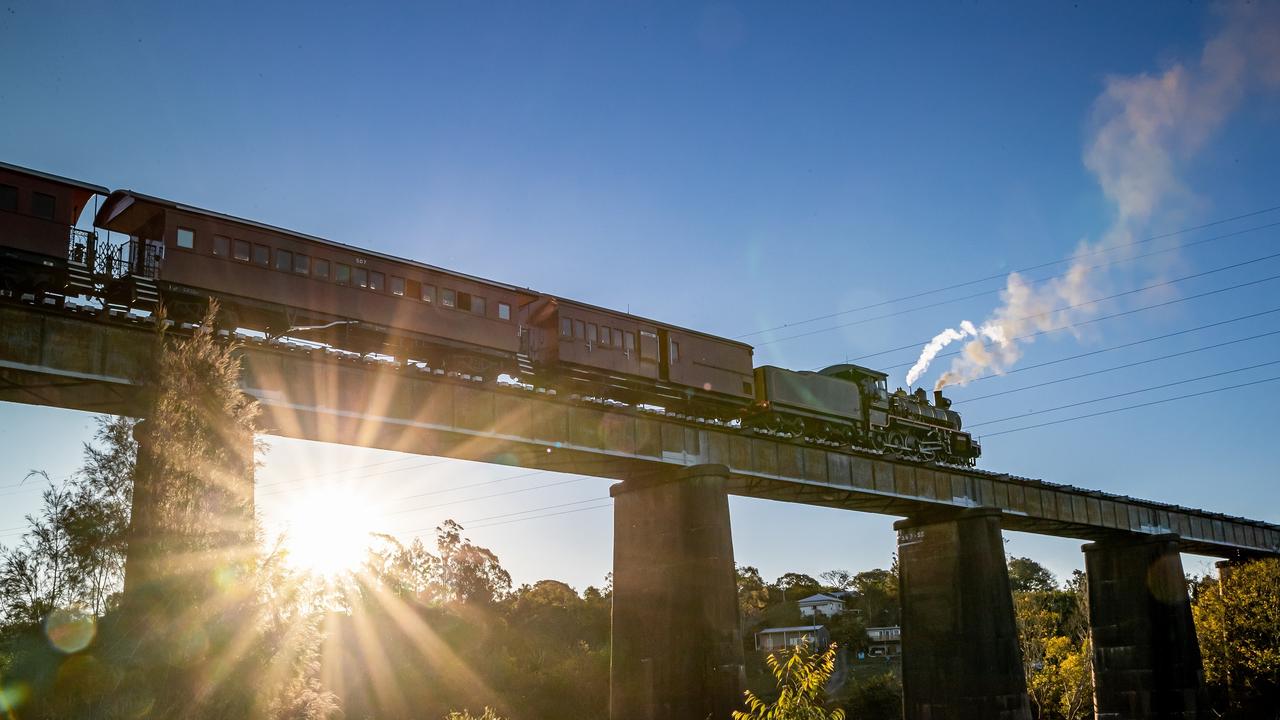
1126 393
1134 407
1107 369
539 517
1029 268
1040 281
1090 321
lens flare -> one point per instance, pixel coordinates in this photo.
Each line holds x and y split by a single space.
69 631
327 531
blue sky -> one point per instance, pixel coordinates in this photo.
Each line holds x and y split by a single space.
729 167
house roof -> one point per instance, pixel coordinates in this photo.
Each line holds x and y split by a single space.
789 629
819 599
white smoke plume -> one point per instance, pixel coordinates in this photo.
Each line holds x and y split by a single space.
1145 128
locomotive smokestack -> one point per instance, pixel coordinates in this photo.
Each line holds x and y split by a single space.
940 401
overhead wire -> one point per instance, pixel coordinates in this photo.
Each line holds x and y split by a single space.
1028 268
1100 413
1040 281
1127 393
1090 321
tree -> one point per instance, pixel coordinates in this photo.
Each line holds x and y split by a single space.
838 579
41 574
802 679
469 573
1053 634
753 594
797 586
1027 575
1238 624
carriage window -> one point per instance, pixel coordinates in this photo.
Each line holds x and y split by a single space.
342 274
42 205
221 245
591 333
377 281
242 250
322 269
478 305
617 338
360 277
301 263
8 198
448 298
464 301
675 351
284 260
504 311
428 293
629 342
262 254
566 327
186 238
397 285
604 335
579 329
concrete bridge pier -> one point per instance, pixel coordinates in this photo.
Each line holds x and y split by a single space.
677 642
1146 659
960 654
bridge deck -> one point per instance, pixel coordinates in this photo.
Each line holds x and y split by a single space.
74 361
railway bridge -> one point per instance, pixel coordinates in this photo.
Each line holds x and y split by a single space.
677 646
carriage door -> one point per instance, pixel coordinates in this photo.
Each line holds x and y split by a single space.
664 355
649 365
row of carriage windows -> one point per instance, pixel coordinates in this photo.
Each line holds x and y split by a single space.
603 336
343 274
42 204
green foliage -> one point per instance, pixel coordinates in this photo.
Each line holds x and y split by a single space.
878 698
1027 575
802 679
1053 632
753 595
489 714
1238 624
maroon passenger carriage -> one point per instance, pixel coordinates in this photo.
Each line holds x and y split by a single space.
288 283
43 256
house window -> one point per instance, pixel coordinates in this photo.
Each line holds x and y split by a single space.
342 274
428 293
675 351
579 329
221 245
397 285
301 263
8 198
186 238
42 205
566 327
284 260
262 255
377 281
242 250
360 277
504 311
448 298
591 333
322 269
478 305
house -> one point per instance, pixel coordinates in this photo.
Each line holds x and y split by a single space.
822 604
885 641
774 639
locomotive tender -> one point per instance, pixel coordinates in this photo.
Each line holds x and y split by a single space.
288 284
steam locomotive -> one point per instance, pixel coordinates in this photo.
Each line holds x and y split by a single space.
286 284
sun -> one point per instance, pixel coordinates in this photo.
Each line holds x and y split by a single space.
328 531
